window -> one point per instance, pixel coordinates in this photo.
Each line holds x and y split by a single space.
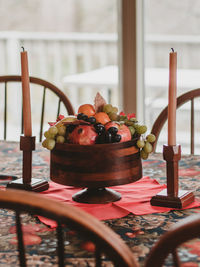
77 38
171 24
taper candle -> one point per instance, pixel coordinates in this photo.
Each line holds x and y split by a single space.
172 98
26 94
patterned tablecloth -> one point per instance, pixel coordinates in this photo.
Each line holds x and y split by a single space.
139 232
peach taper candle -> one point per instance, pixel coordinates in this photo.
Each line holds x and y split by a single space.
172 98
26 94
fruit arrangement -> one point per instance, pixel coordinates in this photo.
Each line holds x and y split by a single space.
98 124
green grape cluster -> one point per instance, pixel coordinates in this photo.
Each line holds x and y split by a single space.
111 111
55 134
136 130
145 145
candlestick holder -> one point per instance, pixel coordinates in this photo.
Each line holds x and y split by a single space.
27 145
172 197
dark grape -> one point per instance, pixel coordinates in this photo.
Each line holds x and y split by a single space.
113 130
84 117
80 116
117 138
99 128
70 128
92 120
100 139
108 137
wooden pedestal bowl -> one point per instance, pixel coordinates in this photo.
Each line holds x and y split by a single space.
95 167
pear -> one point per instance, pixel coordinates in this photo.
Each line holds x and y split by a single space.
70 118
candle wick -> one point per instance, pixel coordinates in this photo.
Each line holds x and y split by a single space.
22 48
172 49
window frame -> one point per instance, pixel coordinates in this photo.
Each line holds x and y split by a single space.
131 57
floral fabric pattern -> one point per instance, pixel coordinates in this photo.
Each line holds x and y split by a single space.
139 232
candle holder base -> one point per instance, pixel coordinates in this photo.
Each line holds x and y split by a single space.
183 199
36 185
27 145
172 196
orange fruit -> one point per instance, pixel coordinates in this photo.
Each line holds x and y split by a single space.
87 109
102 117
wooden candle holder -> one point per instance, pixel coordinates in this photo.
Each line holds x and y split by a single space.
172 197
27 145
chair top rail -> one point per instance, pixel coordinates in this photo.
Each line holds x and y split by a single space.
74 217
181 232
162 118
38 81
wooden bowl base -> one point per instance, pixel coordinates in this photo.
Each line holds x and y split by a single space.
96 196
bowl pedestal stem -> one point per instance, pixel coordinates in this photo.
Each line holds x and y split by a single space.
96 196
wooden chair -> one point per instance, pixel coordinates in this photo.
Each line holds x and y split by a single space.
106 241
162 118
44 87
181 232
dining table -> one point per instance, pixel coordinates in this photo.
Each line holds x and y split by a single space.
139 232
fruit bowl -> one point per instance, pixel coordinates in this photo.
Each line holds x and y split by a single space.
95 167
95 149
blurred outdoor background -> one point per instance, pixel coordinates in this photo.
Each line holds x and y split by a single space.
66 38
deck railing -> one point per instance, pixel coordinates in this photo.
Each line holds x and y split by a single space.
52 56
55 55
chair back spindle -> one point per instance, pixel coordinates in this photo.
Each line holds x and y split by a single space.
59 231
5 110
21 248
42 84
98 256
42 112
58 111
186 230
192 127
162 118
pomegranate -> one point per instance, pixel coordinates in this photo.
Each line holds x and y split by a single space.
83 135
123 130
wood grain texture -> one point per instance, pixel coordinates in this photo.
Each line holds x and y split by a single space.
172 197
187 229
96 165
86 226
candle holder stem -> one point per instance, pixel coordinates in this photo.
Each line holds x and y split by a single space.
172 197
172 154
27 145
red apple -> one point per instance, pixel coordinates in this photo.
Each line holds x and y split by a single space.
123 130
83 135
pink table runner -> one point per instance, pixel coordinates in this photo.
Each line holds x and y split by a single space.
135 199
